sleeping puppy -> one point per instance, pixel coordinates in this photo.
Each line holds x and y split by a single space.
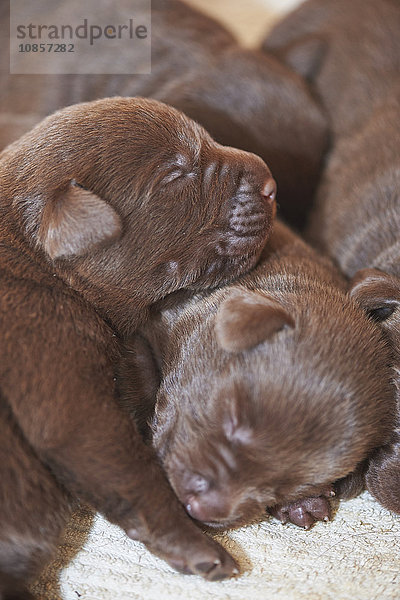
105 208
350 77
244 98
356 219
300 393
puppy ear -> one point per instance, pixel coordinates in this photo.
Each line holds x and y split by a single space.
305 56
77 221
247 318
377 293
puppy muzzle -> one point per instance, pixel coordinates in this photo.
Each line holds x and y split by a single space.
250 215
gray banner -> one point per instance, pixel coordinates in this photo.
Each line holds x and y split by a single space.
76 37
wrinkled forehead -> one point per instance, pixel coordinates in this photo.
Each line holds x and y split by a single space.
271 398
172 131
151 127
190 144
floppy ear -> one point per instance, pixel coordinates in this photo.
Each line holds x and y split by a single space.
305 56
377 292
247 318
77 221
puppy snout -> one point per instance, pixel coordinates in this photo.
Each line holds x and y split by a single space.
203 512
207 509
248 208
251 212
195 509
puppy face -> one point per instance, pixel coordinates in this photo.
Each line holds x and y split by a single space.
300 395
129 194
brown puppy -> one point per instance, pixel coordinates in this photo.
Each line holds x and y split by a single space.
357 217
105 208
349 52
300 393
243 98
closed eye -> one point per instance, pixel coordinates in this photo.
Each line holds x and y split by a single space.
197 484
173 176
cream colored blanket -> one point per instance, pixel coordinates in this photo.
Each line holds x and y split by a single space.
355 557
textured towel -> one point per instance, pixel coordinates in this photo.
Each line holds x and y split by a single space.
354 557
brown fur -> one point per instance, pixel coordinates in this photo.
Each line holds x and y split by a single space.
354 67
297 402
243 98
349 51
105 208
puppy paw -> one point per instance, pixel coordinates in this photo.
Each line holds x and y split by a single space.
305 512
195 554
210 566
212 563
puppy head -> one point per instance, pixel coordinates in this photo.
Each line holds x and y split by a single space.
300 395
131 193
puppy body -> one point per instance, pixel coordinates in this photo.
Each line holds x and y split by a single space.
357 221
349 51
244 98
351 54
356 218
105 208
299 397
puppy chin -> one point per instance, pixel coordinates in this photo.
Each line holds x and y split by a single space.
250 515
232 256
224 270
247 512
215 527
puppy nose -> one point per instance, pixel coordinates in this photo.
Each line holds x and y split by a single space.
269 190
269 194
205 512
194 509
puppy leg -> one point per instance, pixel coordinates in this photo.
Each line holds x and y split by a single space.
10 589
383 474
138 379
306 511
34 510
64 403
352 485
